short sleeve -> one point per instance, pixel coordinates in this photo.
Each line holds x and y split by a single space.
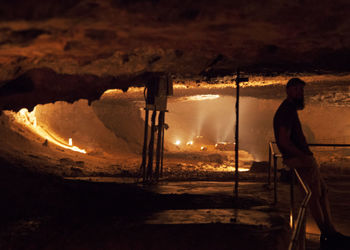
285 119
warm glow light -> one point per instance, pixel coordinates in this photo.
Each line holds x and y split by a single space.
28 119
226 168
201 97
243 169
189 143
178 142
233 169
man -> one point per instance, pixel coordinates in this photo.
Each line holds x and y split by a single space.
296 154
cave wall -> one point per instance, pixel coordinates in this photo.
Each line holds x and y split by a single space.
115 37
104 127
40 86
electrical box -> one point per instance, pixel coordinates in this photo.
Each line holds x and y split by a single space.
159 87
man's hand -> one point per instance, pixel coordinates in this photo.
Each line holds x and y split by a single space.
286 143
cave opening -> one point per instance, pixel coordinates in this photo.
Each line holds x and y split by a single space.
73 114
105 138
101 141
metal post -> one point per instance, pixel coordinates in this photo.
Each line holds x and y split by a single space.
162 153
238 81
237 135
303 234
292 180
144 150
159 143
151 147
269 169
275 178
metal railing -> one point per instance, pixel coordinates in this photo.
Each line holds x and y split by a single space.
298 225
274 156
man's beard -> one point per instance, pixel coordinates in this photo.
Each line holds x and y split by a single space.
299 103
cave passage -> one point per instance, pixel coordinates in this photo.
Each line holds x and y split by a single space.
106 136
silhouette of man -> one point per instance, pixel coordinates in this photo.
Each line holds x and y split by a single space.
296 154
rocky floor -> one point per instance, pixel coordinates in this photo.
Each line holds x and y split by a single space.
44 211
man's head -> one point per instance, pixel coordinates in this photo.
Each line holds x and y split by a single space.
295 92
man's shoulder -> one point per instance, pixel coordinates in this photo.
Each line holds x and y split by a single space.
286 107
285 112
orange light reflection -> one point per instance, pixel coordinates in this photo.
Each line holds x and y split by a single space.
28 119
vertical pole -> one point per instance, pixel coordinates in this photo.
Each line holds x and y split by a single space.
151 147
144 150
303 233
162 153
275 178
292 180
159 142
269 169
237 135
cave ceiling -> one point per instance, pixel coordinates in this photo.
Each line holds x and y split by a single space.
86 46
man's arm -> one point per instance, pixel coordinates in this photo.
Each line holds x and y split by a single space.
285 142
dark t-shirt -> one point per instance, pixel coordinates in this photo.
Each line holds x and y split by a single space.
287 116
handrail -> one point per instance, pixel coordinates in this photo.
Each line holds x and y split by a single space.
301 219
275 156
328 145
